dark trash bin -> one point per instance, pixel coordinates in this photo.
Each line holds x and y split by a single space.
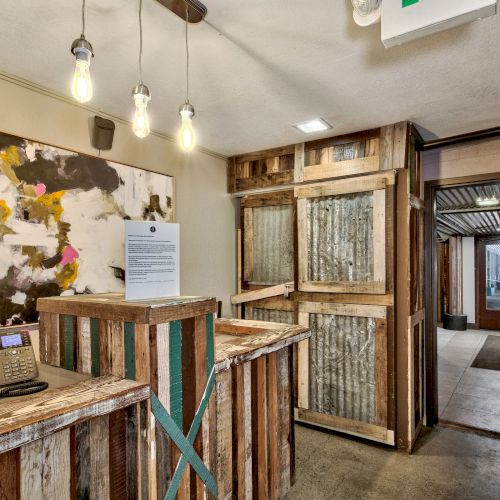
454 322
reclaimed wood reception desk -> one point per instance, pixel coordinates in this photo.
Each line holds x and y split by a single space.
255 402
166 343
65 442
237 440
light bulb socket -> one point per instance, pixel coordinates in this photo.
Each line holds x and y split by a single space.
142 90
82 49
187 108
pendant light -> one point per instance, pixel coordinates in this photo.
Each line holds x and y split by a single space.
186 132
141 94
81 87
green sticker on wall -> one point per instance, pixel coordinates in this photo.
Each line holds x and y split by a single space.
407 3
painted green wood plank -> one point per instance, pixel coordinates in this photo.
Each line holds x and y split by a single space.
210 342
129 341
94 347
175 350
185 443
69 342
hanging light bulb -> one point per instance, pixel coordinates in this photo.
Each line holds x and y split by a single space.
141 94
186 132
140 125
81 87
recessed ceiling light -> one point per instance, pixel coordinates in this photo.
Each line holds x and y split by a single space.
311 126
487 202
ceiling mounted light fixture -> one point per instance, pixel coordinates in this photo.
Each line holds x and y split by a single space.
487 202
186 110
141 94
366 12
81 87
312 126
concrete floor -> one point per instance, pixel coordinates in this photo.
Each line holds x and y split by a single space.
447 463
467 396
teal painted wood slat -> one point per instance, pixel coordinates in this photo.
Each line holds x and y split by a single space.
175 353
94 347
69 342
129 341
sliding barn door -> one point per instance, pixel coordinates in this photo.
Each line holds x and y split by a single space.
268 253
344 233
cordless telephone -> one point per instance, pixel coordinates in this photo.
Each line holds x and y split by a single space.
18 365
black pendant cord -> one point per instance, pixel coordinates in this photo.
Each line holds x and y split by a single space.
23 389
83 18
187 53
140 41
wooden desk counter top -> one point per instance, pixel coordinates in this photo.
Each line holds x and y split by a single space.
238 340
113 306
27 418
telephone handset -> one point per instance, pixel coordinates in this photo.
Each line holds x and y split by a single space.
18 365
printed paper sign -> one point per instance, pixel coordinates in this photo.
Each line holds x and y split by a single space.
151 260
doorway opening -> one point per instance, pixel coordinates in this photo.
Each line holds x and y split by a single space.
463 310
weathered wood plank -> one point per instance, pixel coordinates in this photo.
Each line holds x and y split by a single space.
231 350
365 311
263 293
247 244
201 378
273 379
223 389
354 427
260 462
303 366
57 409
267 199
374 287
285 438
113 306
117 349
10 467
82 459
84 362
345 186
379 236
356 166
381 397
99 457
298 171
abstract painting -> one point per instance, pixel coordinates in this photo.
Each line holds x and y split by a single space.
62 222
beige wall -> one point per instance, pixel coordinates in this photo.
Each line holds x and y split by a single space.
203 209
480 157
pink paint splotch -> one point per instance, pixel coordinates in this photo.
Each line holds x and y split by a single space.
69 255
40 189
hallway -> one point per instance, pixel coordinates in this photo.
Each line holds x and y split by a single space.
467 396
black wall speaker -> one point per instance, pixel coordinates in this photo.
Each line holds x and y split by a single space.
102 135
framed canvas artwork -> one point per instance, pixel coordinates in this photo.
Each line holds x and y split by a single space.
62 222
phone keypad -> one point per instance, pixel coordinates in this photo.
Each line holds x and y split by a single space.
18 363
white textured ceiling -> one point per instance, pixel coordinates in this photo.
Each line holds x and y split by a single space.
258 66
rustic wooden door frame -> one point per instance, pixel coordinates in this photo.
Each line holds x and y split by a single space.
480 245
430 341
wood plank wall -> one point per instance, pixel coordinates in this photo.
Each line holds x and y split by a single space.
255 440
322 168
94 459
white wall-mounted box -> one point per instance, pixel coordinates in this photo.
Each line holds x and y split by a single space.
405 20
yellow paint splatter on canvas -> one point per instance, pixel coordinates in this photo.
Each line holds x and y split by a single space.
67 275
9 158
44 207
5 211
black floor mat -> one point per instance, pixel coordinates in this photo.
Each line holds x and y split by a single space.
489 355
